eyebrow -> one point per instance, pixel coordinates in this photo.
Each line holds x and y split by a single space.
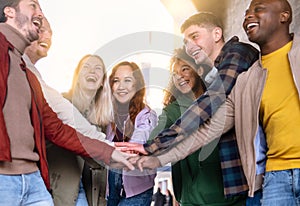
86 63
185 65
34 1
128 77
193 33
37 3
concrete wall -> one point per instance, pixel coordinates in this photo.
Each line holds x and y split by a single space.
234 13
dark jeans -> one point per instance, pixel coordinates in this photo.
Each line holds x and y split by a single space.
256 200
117 196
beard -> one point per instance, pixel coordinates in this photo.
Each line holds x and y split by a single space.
22 23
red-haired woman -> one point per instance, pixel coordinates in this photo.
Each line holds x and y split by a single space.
133 122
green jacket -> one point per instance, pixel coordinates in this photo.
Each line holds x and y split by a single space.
195 182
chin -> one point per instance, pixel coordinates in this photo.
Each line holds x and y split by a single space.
185 91
123 101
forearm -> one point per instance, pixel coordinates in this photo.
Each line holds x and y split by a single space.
220 123
191 120
66 137
234 58
70 115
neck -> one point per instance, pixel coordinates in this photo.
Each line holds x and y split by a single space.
273 45
33 58
217 50
89 95
122 109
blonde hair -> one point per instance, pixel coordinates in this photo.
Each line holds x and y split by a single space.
99 110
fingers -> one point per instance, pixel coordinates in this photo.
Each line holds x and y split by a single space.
131 147
133 160
126 160
129 155
149 162
140 162
128 164
122 157
124 144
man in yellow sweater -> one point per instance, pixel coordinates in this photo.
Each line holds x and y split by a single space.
267 24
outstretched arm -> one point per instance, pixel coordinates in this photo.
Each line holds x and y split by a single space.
64 109
234 59
220 123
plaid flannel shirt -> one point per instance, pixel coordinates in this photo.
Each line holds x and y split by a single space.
235 57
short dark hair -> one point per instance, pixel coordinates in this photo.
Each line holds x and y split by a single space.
206 19
7 3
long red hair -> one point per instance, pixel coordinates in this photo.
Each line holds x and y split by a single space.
137 103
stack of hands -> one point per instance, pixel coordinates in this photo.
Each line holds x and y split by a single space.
133 155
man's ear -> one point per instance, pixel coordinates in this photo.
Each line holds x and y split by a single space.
285 17
9 12
200 71
217 33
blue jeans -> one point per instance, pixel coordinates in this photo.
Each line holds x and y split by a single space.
255 200
117 196
25 189
81 198
281 188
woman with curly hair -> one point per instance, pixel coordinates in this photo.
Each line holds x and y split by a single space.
196 180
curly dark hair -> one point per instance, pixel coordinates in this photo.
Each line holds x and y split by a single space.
171 92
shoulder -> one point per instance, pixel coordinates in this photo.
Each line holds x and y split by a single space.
171 109
234 45
4 43
172 106
237 53
147 112
250 79
2 38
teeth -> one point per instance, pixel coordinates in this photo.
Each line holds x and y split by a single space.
122 93
195 53
252 25
37 23
91 79
43 44
183 83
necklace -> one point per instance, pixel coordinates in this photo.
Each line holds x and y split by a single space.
120 120
120 127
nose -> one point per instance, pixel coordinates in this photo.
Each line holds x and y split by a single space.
48 37
92 69
249 14
177 75
39 12
120 85
189 47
